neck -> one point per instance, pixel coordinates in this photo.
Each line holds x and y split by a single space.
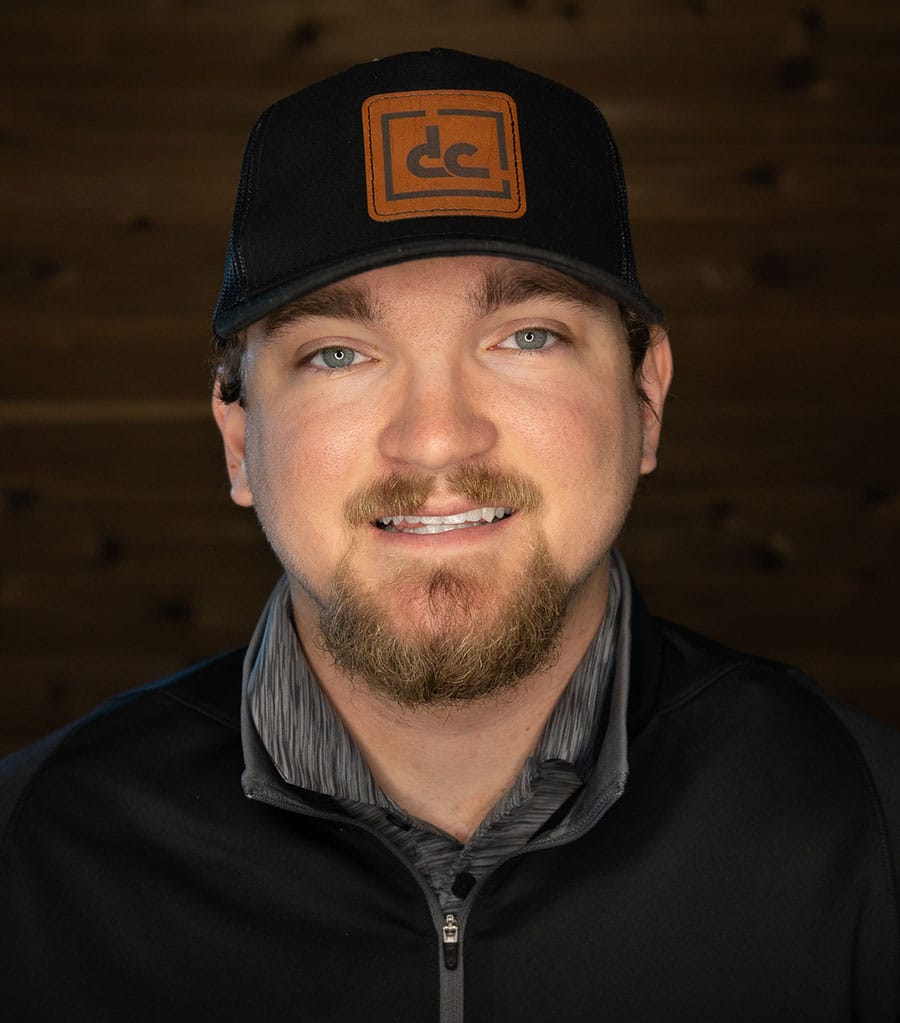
449 765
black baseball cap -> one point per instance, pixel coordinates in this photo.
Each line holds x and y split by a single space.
425 154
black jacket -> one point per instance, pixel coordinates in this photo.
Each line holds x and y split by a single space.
746 873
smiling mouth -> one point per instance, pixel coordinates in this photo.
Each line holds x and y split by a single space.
427 524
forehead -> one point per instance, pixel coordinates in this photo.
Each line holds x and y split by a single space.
484 284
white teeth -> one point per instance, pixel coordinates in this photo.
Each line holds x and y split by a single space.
437 527
426 524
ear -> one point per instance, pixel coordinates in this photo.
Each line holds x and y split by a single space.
232 422
656 375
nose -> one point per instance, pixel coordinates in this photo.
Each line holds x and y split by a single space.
437 421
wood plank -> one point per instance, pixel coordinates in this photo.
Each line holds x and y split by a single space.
126 356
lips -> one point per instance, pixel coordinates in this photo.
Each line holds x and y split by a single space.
428 524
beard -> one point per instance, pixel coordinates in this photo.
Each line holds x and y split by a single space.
471 649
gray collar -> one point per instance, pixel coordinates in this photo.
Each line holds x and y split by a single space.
310 748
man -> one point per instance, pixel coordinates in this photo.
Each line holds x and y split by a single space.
459 773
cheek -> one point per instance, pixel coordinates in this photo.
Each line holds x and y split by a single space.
280 468
302 463
578 437
585 453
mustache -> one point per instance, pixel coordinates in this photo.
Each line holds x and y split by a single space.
405 493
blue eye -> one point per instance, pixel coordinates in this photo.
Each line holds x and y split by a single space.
334 357
531 338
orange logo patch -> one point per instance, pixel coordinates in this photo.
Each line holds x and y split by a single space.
442 153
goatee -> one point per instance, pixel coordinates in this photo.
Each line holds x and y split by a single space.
471 649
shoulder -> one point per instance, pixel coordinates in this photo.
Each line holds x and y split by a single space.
772 727
698 676
127 728
699 673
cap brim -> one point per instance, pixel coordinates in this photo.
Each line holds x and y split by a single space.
257 307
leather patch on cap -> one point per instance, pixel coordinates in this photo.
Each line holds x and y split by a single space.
442 153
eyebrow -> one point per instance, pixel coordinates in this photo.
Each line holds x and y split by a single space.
344 300
511 285
498 288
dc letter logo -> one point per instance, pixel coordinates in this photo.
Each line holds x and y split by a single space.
449 159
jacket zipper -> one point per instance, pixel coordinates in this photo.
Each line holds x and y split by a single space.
450 940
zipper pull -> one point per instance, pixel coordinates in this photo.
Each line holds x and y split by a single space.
450 932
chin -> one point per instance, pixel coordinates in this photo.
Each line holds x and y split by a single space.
446 638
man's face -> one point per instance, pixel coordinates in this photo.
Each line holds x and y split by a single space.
443 451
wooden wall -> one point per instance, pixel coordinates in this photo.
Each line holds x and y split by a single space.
762 150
